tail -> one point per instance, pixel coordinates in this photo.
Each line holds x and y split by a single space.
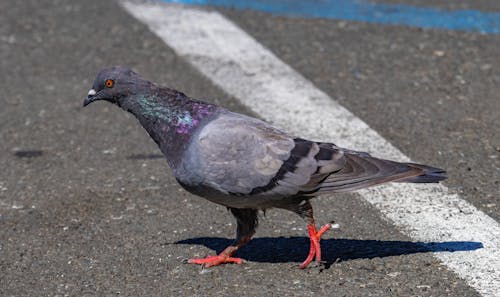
429 174
361 170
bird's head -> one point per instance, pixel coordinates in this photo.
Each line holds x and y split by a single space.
115 84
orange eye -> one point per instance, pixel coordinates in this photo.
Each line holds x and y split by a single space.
109 83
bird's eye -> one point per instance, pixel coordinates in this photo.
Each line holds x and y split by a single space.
109 83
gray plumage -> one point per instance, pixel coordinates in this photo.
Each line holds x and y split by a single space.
241 162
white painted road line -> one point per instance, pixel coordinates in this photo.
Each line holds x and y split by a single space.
242 67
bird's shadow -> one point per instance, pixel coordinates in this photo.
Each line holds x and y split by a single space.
295 249
144 156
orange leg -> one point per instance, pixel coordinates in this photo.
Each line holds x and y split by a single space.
247 222
224 257
315 247
303 208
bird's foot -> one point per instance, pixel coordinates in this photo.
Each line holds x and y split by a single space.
315 247
210 261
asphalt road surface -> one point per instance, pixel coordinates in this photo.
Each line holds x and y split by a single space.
88 206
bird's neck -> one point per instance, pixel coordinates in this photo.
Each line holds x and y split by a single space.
170 118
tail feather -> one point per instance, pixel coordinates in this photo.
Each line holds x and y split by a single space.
362 170
429 174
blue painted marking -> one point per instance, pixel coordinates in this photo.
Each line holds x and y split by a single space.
358 10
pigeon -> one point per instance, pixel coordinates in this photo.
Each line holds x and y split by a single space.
244 163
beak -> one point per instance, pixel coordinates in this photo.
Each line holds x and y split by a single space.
90 97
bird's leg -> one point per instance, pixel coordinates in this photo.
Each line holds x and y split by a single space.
247 222
304 209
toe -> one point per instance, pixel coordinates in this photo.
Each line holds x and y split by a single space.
211 261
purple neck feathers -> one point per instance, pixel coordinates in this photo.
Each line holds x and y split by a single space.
170 118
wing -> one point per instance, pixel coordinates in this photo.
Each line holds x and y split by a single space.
239 155
243 156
